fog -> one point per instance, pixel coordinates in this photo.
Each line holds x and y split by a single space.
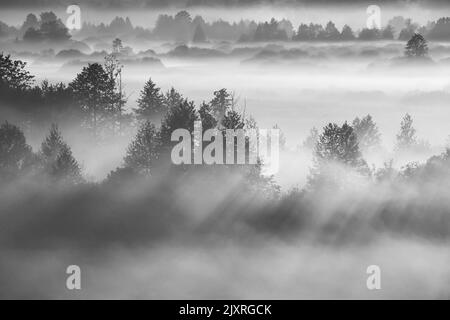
329 83
218 234
352 14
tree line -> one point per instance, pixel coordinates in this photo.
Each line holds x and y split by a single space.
95 100
183 27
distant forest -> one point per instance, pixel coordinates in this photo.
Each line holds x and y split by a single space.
93 102
182 27
193 3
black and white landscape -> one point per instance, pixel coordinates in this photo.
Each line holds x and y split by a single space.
87 176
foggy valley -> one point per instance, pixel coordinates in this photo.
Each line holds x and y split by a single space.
86 177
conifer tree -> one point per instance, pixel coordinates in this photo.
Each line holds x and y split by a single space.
143 152
57 158
151 104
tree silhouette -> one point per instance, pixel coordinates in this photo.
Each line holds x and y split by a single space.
388 33
199 35
269 31
143 152
369 34
182 116
408 31
406 138
367 132
331 32
49 28
172 99
416 47
303 33
95 93
151 104
347 33
31 21
221 103
441 30
207 116
336 155
57 158
15 153
113 67
232 120
117 46
13 74
339 144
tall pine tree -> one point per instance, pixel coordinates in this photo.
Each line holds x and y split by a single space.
151 104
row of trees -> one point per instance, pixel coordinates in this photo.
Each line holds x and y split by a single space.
95 95
338 154
54 160
93 98
369 137
183 28
337 150
47 27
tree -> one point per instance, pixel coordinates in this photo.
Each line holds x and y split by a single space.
331 32
347 33
30 22
268 31
117 46
57 105
440 30
172 99
207 116
48 17
397 23
182 23
57 158
336 155
15 153
367 132
416 47
232 120
339 144
199 35
49 28
221 103
113 68
151 104
94 92
369 34
143 152
409 30
182 116
13 74
54 30
406 138
304 33
388 33
32 35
